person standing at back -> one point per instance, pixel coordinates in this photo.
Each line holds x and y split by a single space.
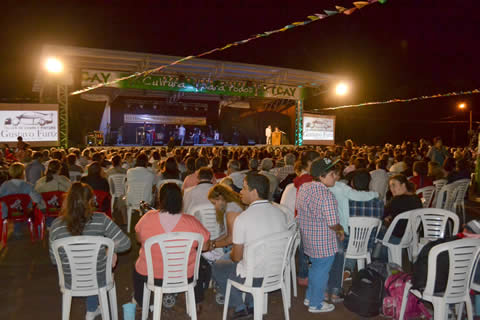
268 134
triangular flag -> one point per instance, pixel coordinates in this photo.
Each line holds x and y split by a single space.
330 12
360 4
349 11
321 15
340 9
313 18
372 1
382 1
298 23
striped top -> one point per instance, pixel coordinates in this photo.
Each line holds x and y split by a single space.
99 225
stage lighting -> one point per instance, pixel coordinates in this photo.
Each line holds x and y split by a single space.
341 89
53 65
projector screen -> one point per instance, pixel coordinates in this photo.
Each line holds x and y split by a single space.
318 129
37 124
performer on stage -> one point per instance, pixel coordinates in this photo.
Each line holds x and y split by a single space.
181 134
149 134
268 134
196 136
120 135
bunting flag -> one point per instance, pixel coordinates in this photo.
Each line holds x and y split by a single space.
439 95
311 18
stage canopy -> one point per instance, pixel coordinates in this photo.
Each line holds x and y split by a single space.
193 83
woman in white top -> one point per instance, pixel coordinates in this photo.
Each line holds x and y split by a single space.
53 181
228 206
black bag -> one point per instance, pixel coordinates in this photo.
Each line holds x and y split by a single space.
420 267
365 296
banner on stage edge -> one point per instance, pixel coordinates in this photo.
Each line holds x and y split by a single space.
158 119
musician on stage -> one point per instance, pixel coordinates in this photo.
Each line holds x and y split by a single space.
268 134
181 134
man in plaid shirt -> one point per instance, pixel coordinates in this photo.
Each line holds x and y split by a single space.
319 227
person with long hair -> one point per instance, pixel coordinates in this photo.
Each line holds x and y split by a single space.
169 217
53 181
228 206
170 170
79 219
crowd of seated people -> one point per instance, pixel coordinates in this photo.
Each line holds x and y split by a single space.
329 184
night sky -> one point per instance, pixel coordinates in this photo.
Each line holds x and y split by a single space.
404 48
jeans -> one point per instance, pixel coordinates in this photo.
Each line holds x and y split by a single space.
334 285
317 280
222 270
196 139
92 303
302 262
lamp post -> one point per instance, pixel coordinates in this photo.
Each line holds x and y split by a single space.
463 106
55 67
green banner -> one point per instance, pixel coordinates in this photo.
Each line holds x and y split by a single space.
193 85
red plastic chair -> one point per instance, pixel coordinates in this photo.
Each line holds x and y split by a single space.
100 198
53 203
18 211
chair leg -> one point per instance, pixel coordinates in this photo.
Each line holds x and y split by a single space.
293 269
285 304
468 304
440 311
360 264
66 304
4 232
288 285
187 304
102 298
112 295
265 303
157 303
146 302
227 299
406 290
129 218
191 302
30 226
258 304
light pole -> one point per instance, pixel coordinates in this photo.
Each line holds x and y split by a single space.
55 67
463 106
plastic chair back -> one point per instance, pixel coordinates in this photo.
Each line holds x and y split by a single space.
74 175
434 222
175 248
137 192
463 257
427 195
289 197
53 202
360 230
408 235
268 256
162 182
438 184
117 184
82 255
207 215
17 205
446 197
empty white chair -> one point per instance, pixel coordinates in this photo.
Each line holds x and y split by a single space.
434 222
82 254
136 192
360 230
117 186
427 195
395 250
268 255
207 215
175 248
461 187
463 258
161 182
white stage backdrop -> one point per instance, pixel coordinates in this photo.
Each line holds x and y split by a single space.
37 124
318 129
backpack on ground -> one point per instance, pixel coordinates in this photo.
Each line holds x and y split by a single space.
420 267
392 301
365 296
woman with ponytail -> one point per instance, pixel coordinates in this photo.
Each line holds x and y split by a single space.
53 181
79 219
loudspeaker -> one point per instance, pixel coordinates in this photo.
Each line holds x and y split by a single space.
251 142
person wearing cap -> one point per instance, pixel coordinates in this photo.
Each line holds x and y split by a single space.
319 227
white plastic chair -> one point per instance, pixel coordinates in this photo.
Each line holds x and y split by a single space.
461 187
161 182
395 250
434 222
82 254
135 193
463 258
267 256
117 186
360 230
207 215
74 175
175 248
444 196
291 272
289 197
427 195
438 184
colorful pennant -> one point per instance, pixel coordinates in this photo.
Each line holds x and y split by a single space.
311 18
439 95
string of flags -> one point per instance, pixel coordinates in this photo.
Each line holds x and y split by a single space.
312 18
439 95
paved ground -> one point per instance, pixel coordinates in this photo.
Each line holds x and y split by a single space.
29 287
